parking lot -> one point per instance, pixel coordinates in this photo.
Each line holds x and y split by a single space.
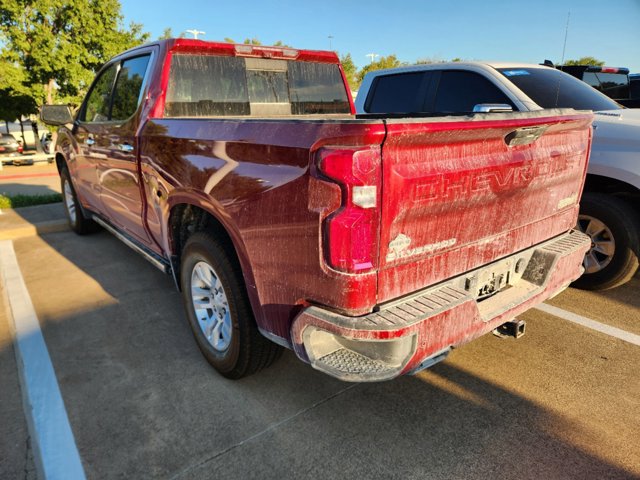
561 402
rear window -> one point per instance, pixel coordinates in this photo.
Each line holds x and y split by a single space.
614 85
552 88
209 86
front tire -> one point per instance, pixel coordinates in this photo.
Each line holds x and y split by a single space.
218 309
77 221
614 228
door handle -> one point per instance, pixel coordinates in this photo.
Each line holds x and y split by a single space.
524 135
125 147
89 141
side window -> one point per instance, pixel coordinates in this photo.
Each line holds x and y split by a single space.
459 92
97 106
126 95
400 93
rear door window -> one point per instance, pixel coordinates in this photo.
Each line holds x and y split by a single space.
459 91
399 93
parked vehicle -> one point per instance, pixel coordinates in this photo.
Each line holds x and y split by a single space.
9 148
370 246
610 205
614 82
634 86
45 141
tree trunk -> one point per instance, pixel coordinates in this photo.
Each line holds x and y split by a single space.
49 89
24 140
36 137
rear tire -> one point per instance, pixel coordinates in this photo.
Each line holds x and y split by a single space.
218 309
77 221
614 228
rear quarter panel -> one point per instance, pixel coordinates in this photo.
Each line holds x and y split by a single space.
254 176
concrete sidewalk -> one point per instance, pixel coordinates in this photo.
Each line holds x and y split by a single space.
27 221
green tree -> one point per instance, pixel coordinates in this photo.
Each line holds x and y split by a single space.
390 61
350 71
585 61
256 41
15 100
428 60
166 34
60 44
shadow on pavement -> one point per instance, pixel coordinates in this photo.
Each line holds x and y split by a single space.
31 189
627 293
143 403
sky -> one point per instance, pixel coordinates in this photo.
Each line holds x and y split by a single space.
492 30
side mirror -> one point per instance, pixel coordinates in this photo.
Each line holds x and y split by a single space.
56 114
492 108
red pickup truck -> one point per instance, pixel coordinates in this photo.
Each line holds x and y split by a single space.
369 245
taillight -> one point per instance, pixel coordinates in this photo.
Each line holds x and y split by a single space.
352 232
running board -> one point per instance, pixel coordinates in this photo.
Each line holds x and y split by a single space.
152 257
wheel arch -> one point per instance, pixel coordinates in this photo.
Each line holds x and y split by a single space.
188 217
60 162
612 186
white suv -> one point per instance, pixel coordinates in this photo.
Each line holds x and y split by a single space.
610 205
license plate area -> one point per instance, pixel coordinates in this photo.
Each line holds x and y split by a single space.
487 281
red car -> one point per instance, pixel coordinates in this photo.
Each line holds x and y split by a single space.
9 147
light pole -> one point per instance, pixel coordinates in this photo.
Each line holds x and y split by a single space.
195 33
372 56
330 37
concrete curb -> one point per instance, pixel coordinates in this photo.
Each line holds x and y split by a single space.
31 230
55 451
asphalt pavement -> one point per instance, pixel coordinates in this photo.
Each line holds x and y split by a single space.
562 402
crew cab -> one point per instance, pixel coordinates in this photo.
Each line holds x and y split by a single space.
370 246
610 206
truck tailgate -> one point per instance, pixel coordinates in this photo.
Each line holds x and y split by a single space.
460 193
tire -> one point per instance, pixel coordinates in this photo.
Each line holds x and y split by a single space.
614 228
77 221
218 309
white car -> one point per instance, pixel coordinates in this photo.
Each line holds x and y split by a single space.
610 205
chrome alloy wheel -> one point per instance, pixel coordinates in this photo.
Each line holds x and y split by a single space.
69 202
211 306
603 245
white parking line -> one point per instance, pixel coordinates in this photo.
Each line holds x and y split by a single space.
55 451
592 324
